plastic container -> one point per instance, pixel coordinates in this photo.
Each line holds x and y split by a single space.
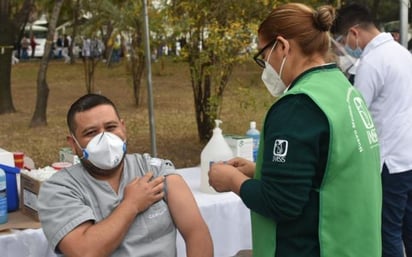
11 191
3 198
215 150
255 135
18 159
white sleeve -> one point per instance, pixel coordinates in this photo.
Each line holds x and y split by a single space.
369 81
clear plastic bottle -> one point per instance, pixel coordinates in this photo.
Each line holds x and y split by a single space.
3 198
255 135
215 150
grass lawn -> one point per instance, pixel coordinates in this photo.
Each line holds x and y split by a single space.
245 99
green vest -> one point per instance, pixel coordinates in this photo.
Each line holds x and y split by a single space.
350 193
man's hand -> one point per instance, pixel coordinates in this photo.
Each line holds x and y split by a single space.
144 191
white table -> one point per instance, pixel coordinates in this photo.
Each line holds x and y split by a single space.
225 214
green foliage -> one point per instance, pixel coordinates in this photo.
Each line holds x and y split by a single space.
219 35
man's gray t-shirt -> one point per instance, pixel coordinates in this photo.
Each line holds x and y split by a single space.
72 196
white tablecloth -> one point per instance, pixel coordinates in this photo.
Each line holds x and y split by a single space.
225 214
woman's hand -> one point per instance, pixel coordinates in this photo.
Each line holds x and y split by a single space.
225 177
245 166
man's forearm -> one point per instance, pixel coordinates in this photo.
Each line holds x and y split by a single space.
100 239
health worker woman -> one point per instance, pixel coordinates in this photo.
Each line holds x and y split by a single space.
315 189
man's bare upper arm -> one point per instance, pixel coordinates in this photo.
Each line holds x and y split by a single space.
182 205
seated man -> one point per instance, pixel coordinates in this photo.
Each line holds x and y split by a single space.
113 203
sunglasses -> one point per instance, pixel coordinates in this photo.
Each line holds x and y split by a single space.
260 61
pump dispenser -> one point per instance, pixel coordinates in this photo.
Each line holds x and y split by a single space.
216 150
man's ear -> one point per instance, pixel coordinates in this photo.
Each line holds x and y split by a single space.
71 143
354 31
123 123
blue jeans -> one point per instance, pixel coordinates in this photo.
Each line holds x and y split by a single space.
24 54
396 213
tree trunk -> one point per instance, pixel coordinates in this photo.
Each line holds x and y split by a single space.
89 64
137 73
207 89
9 29
106 37
138 62
39 117
6 48
6 100
201 86
76 11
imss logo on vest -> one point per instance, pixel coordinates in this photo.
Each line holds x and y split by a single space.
280 150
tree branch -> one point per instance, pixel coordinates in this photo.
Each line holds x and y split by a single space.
24 12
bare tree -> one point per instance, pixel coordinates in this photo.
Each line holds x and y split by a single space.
39 117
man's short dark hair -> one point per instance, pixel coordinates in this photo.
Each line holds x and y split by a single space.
351 15
85 103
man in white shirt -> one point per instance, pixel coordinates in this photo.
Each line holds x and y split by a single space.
384 77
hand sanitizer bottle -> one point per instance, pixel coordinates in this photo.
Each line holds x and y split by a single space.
215 150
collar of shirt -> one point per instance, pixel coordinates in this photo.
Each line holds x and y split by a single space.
380 39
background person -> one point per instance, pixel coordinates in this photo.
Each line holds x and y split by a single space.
59 47
33 45
384 77
113 203
25 43
65 48
316 188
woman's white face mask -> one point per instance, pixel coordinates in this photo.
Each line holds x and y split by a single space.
272 80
